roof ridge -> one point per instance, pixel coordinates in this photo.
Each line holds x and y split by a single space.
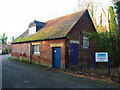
67 15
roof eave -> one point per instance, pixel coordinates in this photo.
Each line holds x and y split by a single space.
37 40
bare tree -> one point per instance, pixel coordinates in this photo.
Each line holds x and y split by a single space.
106 19
83 4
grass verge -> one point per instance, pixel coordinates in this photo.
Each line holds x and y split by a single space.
9 58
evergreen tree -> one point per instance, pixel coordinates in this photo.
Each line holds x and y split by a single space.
117 7
3 39
113 24
108 41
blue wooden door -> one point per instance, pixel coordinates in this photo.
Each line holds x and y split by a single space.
74 54
56 57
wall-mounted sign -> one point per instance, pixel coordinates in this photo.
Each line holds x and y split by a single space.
101 56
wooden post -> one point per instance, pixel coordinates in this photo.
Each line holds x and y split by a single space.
88 58
108 68
95 61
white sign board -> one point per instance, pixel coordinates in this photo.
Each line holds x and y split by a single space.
101 56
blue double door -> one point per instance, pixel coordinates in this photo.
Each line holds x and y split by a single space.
56 57
74 54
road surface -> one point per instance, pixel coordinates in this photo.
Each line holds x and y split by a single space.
23 75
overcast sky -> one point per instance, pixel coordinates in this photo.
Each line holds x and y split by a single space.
15 15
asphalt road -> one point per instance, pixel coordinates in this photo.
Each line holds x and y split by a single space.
22 75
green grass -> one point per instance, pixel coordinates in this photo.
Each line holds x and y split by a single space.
25 61
9 58
16 59
22 60
33 63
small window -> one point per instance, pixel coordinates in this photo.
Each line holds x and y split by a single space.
32 30
85 42
36 49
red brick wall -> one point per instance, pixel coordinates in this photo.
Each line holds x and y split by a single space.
84 24
45 56
17 50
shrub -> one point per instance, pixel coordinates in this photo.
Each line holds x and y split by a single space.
108 42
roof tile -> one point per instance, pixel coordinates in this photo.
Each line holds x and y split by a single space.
56 28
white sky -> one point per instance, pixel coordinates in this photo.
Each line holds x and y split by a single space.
15 15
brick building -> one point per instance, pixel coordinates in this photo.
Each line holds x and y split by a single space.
57 43
5 48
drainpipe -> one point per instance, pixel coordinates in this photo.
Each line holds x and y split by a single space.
30 53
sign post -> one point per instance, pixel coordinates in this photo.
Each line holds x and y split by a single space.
102 57
108 67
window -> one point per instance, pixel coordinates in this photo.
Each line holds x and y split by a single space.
32 30
85 42
36 49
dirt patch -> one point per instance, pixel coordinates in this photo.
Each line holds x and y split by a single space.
99 74
102 73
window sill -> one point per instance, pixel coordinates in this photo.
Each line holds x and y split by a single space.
84 47
36 54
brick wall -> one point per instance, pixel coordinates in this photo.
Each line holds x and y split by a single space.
17 50
45 56
84 24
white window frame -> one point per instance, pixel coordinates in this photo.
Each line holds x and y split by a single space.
32 30
87 40
36 47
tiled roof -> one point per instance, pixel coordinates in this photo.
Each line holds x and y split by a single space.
56 28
